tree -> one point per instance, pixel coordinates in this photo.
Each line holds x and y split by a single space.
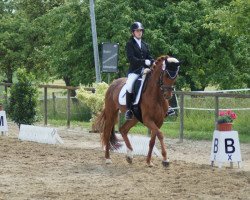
22 37
23 101
176 28
11 40
232 19
35 36
57 43
68 48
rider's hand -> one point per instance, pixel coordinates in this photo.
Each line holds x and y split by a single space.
147 70
147 62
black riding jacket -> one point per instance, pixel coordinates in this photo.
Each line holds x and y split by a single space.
137 56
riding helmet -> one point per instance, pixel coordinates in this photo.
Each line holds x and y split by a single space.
136 25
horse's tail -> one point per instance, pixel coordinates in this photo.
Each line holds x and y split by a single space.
106 126
114 141
99 122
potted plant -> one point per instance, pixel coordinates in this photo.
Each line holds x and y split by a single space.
225 120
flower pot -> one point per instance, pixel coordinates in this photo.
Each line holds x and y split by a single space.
225 126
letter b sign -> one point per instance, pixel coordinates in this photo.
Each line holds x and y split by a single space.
229 145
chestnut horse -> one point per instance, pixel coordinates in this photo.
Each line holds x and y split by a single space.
154 105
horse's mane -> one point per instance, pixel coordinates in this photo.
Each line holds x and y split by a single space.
159 61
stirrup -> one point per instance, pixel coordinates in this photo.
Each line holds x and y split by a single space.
128 115
170 111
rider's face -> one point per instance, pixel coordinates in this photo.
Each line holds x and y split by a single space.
138 33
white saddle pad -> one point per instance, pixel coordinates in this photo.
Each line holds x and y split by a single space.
122 94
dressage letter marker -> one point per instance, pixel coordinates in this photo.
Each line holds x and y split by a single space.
225 147
3 121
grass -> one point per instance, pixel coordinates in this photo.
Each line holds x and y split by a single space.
63 123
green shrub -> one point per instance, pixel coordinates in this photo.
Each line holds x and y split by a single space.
95 101
23 101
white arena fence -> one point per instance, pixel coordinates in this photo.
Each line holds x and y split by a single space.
217 91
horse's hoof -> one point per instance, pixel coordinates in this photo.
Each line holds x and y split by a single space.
150 164
165 163
108 161
129 159
129 156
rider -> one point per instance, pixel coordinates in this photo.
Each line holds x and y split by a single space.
139 57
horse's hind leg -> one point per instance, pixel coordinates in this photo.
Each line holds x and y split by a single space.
124 129
108 131
107 155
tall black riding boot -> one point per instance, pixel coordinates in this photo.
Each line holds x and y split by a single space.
129 99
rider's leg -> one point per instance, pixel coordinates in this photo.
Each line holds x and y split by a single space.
129 99
129 95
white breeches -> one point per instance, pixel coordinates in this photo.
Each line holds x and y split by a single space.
130 81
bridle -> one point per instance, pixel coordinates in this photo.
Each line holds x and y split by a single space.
171 75
164 87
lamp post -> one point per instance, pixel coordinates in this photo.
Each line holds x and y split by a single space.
94 38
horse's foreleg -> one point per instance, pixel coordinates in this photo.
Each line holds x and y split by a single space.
124 129
165 161
151 146
155 131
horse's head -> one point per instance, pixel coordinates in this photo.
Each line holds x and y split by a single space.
168 68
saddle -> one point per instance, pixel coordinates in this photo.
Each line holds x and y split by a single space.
138 89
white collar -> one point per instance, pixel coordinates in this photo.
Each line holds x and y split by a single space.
138 41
